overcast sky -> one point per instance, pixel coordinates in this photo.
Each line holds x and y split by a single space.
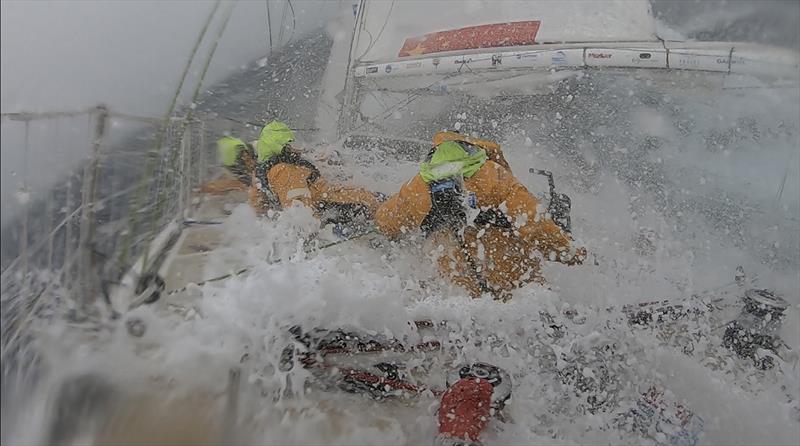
129 54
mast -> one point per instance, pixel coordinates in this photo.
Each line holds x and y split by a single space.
346 115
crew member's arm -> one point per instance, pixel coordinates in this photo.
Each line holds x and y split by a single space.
405 210
335 193
540 232
223 185
290 183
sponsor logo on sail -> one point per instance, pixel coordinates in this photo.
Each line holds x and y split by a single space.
724 61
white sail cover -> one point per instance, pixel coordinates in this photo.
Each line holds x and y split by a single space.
387 26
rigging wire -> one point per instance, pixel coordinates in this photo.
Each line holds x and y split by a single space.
405 103
294 22
416 95
372 41
347 81
189 115
282 28
151 162
269 26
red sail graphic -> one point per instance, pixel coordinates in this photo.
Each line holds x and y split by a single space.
472 37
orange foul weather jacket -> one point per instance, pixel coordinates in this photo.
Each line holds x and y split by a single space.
235 178
487 258
224 184
288 182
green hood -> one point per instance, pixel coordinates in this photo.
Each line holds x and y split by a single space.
450 159
274 137
229 148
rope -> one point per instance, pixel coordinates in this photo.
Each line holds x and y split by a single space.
150 167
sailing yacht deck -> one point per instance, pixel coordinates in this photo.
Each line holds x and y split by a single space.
187 261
